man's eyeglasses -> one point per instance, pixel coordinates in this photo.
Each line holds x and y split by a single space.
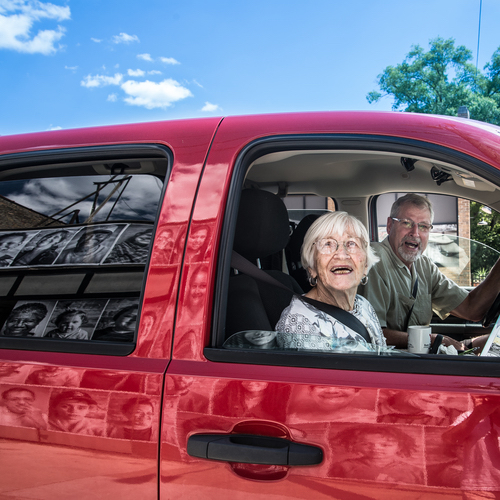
409 224
328 246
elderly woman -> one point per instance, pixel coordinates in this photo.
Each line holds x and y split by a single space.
337 256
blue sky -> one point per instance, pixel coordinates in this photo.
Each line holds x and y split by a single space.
78 63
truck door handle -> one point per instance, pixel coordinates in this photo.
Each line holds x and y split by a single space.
252 449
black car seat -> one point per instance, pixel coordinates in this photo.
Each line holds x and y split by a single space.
293 252
262 230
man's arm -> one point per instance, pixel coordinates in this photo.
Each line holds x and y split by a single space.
396 338
479 300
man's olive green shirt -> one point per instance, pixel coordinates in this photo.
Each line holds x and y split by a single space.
390 285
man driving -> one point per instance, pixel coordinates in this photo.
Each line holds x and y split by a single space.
406 287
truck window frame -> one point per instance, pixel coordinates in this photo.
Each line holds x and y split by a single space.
423 364
64 162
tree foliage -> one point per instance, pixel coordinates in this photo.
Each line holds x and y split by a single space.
440 80
484 227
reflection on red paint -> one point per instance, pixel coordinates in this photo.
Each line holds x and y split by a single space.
380 453
477 435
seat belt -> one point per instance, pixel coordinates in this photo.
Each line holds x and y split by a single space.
414 295
244 265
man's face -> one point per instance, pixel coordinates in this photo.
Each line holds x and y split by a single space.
72 410
19 402
409 244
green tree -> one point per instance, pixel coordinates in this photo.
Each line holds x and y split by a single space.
441 80
484 227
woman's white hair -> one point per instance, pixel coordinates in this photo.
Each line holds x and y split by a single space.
328 225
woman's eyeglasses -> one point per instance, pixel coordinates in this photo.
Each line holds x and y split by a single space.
328 246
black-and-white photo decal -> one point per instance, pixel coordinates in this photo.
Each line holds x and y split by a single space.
90 245
28 319
11 243
74 319
133 245
118 321
44 248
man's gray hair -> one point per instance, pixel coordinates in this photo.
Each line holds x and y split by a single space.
335 223
411 199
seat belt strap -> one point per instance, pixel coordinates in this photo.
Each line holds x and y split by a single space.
414 295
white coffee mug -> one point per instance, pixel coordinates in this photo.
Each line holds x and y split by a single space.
419 339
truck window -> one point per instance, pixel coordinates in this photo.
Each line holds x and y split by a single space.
74 246
353 179
452 242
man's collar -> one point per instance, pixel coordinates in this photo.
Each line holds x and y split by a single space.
395 259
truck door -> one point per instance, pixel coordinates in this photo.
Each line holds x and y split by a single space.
92 237
247 421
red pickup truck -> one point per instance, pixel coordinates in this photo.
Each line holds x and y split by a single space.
119 294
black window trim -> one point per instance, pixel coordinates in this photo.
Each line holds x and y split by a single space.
430 364
32 160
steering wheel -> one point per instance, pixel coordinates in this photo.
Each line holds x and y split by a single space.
493 313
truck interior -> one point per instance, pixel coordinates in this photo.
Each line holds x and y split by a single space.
353 173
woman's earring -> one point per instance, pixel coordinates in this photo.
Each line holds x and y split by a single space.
312 281
364 280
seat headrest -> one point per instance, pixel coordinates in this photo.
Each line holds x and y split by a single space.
297 238
263 227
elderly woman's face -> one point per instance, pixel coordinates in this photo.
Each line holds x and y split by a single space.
341 268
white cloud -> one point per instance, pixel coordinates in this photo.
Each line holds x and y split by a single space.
112 98
16 21
154 72
135 72
209 107
71 68
55 128
154 95
101 80
124 38
96 40
169 60
199 84
145 57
